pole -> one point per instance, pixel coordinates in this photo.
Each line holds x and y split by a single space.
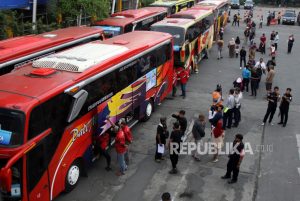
34 15
113 6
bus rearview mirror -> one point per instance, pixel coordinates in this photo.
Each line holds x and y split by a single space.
78 102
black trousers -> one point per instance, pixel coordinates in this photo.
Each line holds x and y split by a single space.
246 84
242 59
232 168
253 87
237 116
174 160
270 113
106 155
258 81
275 44
284 115
227 118
290 48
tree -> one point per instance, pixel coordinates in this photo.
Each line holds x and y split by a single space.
96 9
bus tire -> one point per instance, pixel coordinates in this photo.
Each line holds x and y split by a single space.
148 110
72 176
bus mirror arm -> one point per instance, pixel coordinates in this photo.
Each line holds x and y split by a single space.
6 173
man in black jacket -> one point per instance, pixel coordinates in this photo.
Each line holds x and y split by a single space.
181 120
243 54
273 98
198 132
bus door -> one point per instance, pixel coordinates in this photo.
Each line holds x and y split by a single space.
38 186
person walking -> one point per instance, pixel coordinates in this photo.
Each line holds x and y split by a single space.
198 132
254 81
246 35
234 21
228 110
237 46
235 159
284 106
238 95
273 98
290 43
246 74
243 54
273 51
298 19
276 40
128 138
217 96
269 79
251 37
238 19
272 37
231 46
262 45
161 138
252 51
174 146
220 45
260 69
180 117
261 21
183 76
221 33
279 17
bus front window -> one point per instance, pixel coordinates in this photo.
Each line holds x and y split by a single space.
11 127
110 31
176 32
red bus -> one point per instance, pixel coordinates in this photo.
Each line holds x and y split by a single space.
51 110
130 20
18 51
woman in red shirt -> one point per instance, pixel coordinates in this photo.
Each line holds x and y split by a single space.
262 45
218 137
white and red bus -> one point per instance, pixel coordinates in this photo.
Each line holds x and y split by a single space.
51 110
18 51
131 20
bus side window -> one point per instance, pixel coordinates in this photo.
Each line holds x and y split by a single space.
36 122
128 28
125 76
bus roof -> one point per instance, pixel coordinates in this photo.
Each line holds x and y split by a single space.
96 57
191 14
213 3
21 46
175 22
130 16
164 3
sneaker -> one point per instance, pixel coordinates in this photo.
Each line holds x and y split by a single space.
173 171
108 168
271 123
280 123
158 160
216 160
263 124
225 177
283 125
240 67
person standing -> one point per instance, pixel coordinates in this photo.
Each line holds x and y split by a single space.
279 17
237 108
121 148
262 45
198 132
217 96
298 19
103 141
220 44
218 135
221 33
246 74
235 159
270 63
237 46
174 146
128 138
269 79
246 34
243 54
276 40
238 19
284 106
261 21
260 69
181 120
228 110
161 137
272 37
254 81
273 51
273 98
183 76
231 46
290 43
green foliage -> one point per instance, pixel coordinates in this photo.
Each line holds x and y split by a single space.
8 24
74 8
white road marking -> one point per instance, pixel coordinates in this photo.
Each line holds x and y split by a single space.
299 171
298 143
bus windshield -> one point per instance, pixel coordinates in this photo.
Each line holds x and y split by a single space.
11 127
110 31
176 32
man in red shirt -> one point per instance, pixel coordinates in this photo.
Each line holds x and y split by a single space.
102 144
128 138
121 148
183 76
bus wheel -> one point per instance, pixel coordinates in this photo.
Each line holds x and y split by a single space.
148 110
72 176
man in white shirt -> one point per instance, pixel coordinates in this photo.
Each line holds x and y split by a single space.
228 110
260 69
236 112
276 40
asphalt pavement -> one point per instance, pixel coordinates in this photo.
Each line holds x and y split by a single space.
271 173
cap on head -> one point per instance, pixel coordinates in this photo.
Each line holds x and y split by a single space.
166 196
239 136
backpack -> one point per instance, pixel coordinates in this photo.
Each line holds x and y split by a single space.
259 71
